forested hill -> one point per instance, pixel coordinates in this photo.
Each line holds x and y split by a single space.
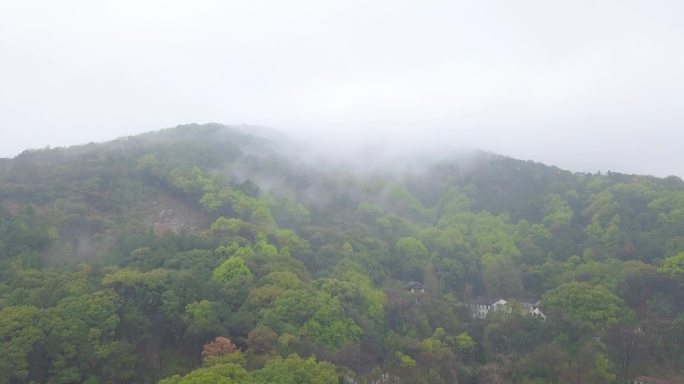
214 254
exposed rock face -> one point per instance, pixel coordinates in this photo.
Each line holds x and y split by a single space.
169 214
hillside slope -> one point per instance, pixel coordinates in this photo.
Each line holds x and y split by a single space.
120 261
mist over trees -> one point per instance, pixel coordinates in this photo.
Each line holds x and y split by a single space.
214 254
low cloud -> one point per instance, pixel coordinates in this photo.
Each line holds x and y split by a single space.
584 85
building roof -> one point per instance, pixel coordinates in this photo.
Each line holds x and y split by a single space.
414 285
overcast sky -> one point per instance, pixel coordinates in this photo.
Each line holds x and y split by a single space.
585 85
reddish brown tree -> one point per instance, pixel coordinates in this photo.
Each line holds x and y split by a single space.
219 347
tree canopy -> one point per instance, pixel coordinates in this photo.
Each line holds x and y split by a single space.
214 254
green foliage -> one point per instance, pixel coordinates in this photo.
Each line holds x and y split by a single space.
464 342
328 324
262 219
295 370
202 317
412 256
23 233
674 265
232 270
293 307
119 261
218 374
583 309
405 360
19 331
501 277
333 333
82 335
264 249
558 213
227 226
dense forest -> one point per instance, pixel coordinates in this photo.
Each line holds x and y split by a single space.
214 254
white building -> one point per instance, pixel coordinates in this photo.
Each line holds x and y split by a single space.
481 306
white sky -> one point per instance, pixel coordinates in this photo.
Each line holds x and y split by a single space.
586 85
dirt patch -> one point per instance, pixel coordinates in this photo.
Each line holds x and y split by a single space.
166 213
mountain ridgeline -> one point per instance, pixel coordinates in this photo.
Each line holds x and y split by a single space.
215 254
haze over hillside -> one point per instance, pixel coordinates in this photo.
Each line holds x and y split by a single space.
581 85
210 253
406 192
